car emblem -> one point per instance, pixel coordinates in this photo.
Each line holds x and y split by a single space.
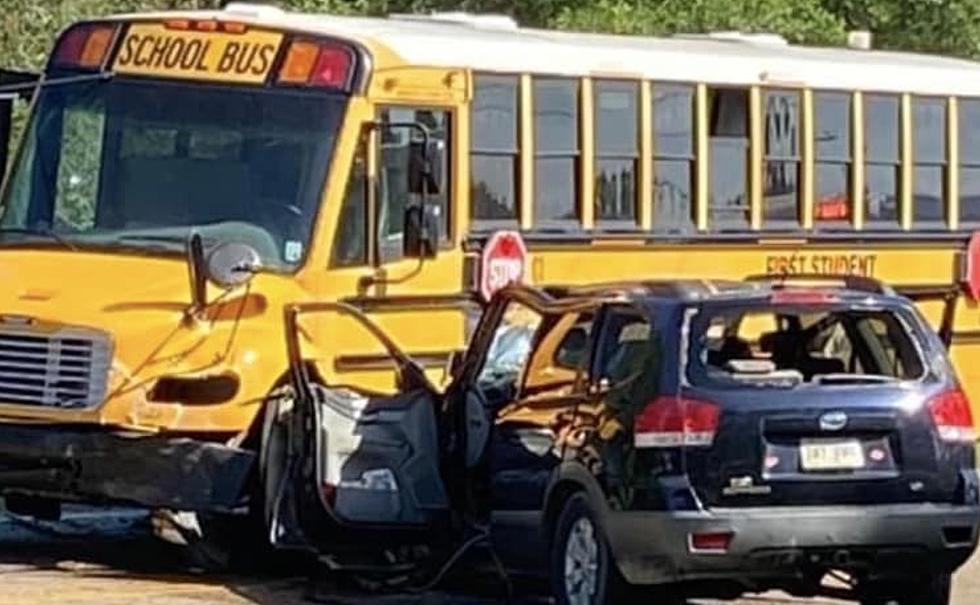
833 421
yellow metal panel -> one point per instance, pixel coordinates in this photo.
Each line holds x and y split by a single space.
907 163
702 195
807 161
953 163
526 197
419 85
587 158
460 210
150 49
857 160
646 157
756 151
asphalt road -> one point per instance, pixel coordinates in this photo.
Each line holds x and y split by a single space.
96 559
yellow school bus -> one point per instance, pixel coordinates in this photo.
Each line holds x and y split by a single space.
187 177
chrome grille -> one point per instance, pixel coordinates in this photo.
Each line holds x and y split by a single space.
65 368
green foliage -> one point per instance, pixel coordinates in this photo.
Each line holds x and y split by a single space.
803 21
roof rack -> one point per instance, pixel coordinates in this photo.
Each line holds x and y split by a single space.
860 283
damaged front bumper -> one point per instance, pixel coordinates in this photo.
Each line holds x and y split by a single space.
99 466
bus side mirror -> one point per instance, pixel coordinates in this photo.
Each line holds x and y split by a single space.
425 162
421 235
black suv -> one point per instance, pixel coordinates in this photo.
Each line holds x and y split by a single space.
695 438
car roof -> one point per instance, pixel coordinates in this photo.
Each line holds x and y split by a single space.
684 291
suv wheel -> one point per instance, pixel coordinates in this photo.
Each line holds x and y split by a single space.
582 571
933 590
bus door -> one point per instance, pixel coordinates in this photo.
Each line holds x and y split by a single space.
412 283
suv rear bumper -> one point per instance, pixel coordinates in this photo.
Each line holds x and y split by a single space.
101 466
787 542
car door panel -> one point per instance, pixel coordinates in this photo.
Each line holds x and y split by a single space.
336 459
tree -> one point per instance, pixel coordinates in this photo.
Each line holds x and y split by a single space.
802 21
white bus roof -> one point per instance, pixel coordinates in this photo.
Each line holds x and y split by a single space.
495 44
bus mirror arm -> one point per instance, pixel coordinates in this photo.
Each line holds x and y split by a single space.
197 272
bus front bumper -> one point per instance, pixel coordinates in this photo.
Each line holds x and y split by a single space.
100 466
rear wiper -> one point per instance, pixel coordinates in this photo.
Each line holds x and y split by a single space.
853 379
43 232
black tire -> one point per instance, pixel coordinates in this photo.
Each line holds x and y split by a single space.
933 590
578 539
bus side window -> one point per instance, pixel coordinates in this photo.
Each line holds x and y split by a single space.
350 239
729 159
393 170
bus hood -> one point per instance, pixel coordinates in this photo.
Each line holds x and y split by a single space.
140 305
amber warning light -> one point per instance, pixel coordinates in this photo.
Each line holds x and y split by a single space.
318 64
85 46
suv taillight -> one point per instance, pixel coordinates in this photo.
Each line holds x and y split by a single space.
671 421
951 412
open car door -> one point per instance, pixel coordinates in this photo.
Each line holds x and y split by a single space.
338 461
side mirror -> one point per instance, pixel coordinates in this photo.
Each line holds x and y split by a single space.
425 162
421 235
232 264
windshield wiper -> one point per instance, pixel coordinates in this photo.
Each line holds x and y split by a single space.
43 232
19 87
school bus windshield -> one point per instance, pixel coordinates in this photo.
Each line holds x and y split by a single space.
139 164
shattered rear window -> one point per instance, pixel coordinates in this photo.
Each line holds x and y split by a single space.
790 345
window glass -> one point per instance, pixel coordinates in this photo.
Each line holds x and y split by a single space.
780 201
494 148
140 164
673 195
555 116
969 127
494 113
555 188
350 245
628 361
508 353
673 120
802 345
929 153
929 129
881 141
832 144
832 114
882 128
393 178
617 142
673 167
881 184
493 192
616 117
970 194
78 171
969 170
556 148
929 193
729 145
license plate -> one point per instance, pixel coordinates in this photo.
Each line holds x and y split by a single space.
151 49
831 455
